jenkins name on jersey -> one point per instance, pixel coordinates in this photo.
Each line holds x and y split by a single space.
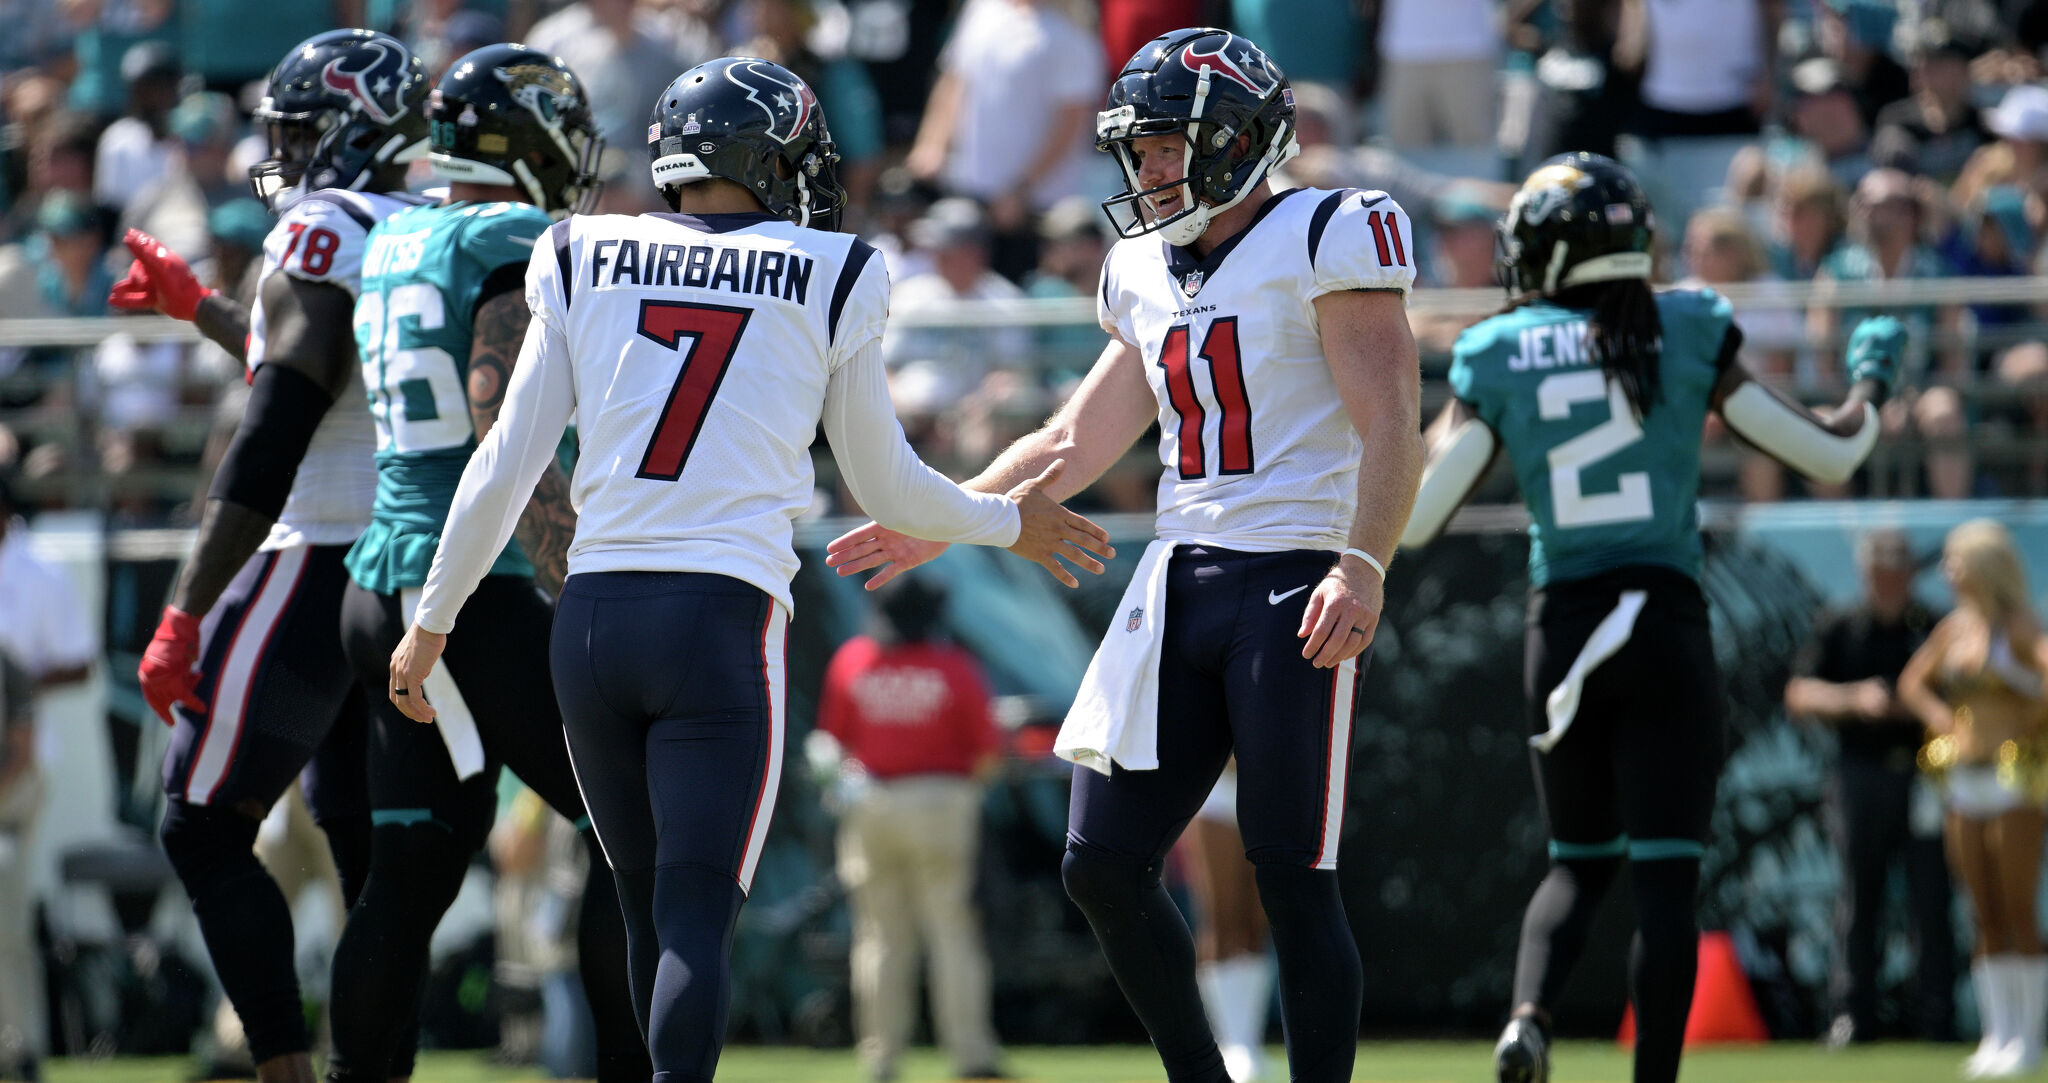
1259 453
321 238
1605 488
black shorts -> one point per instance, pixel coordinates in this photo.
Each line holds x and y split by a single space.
498 658
1232 681
1634 774
279 696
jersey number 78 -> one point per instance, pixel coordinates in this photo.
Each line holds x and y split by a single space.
713 333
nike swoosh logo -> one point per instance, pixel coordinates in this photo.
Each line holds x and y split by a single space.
1276 599
1374 201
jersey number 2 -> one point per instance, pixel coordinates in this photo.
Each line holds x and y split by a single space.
713 333
1569 503
1226 374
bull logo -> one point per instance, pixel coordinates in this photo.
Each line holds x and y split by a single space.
366 76
543 89
786 99
1219 63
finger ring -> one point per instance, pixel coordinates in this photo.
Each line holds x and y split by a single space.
400 692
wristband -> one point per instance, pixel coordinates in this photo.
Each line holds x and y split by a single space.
1371 561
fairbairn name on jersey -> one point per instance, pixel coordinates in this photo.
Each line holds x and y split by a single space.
624 261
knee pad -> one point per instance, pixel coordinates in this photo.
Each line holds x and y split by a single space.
205 843
1095 879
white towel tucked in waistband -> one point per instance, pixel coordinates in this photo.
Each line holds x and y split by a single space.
1115 716
451 715
1610 636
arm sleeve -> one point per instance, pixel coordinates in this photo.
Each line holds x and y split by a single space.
1360 241
501 475
891 483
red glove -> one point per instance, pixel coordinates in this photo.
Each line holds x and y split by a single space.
170 667
157 279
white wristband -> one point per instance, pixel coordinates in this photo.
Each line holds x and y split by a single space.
1370 561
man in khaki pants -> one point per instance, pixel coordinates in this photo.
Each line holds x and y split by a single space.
21 796
911 714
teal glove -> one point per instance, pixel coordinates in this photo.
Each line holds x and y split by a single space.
1875 350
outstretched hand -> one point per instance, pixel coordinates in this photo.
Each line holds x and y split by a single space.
876 546
1050 532
157 279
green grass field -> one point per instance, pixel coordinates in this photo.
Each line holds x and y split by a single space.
1392 1062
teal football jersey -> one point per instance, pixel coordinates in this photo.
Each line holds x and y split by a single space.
423 276
1605 489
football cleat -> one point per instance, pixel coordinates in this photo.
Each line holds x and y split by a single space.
1523 1053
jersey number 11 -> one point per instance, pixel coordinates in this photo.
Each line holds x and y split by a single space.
1226 375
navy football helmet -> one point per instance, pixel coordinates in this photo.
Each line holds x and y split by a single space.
755 123
340 106
1213 87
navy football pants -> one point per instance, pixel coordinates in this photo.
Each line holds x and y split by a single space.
1231 680
672 690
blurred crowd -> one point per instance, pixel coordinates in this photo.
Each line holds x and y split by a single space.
1790 146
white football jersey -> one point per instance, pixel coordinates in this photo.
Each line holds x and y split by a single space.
698 357
1259 453
321 238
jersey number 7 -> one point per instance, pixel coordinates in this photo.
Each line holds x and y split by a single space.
713 332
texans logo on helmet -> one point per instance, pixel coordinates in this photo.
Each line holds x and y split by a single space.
788 104
380 72
1221 64
545 91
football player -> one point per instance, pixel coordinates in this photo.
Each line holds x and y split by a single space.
246 664
438 323
1596 387
1265 333
698 352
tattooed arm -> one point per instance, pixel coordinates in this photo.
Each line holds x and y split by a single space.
549 524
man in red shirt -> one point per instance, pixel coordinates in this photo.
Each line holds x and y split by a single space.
911 713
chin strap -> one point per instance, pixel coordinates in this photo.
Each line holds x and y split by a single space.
1456 464
1790 435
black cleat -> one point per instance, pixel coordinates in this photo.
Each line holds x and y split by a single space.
1523 1053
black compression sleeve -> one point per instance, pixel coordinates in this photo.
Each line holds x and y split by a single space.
1731 345
285 406
511 276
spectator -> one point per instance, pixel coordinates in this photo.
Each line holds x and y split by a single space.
978 141
21 798
1885 244
227 43
2023 372
174 210
625 52
955 232
1586 81
1463 251
911 713
37 35
1993 239
1807 223
2021 124
1721 251
1845 678
1707 83
135 152
1321 40
107 29
57 271
1826 120
1938 125
900 200
781 33
1439 79
1856 34
1070 253
55 155
44 628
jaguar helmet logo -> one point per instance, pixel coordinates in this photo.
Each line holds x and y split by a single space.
543 89
372 78
786 99
1547 190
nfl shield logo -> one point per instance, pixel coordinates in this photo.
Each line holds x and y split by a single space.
1137 618
1191 284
